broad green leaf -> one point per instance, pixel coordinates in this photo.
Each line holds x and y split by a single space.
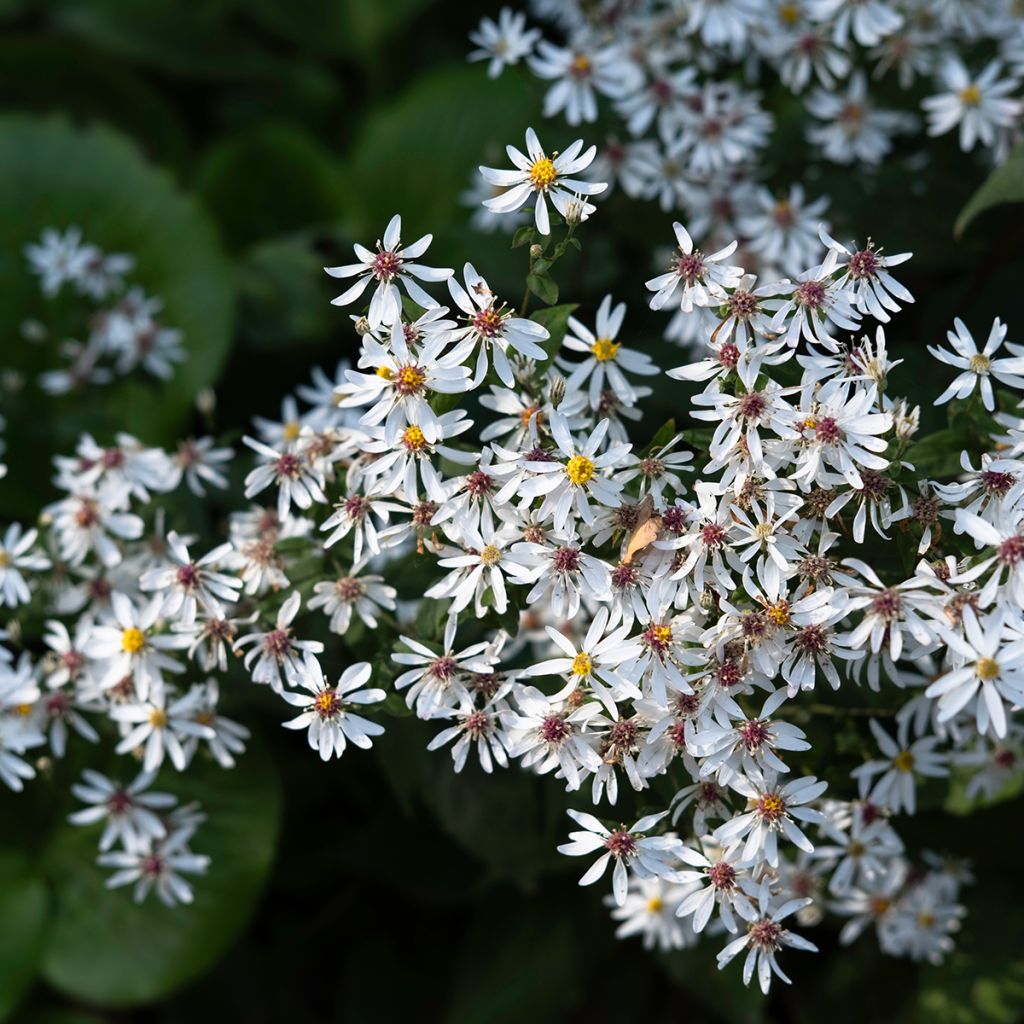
937 455
55 175
104 948
269 181
543 287
1004 185
24 907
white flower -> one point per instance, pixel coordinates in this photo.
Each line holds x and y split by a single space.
988 663
197 461
895 787
493 325
867 21
503 43
701 279
980 106
296 477
277 651
328 713
392 264
83 524
159 868
650 910
479 726
189 585
866 275
765 937
579 72
978 367
159 729
17 556
544 177
629 848
131 816
353 592
784 230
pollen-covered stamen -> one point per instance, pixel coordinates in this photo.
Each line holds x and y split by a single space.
158 718
409 380
566 560
729 356
875 486
356 507
488 322
752 405
490 555
771 808
605 349
987 669
621 844
712 535
443 668
742 304
543 173
582 664
811 640
348 588
887 604
479 484
412 439
827 431
864 264
690 266
554 729
119 802
657 638
764 934
782 214
477 724
188 576
722 876
729 673
903 761
132 640
810 295
673 519
778 613
580 66
278 643
623 735
424 513
624 576
326 704
1011 551
152 865
997 483
851 113
925 509
754 627
580 470
386 265
970 95
981 364
288 466
754 734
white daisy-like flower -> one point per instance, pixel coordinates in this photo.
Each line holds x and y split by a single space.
277 653
544 178
353 592
504 42
978 368
16 558
131 816
980 105
898 768
702 279
327 710
392 264
158 868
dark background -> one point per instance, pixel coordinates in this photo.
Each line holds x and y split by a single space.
236 147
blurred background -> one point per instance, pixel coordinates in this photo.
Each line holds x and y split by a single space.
235 147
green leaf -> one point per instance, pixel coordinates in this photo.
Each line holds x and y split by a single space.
55 175
105 948
522 235
271 180
543 287
664 434
1004 185
937 455
556 320
23 913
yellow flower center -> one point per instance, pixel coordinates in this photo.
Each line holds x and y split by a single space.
290 431
132 640
810 423
581 664
580 64
490 555
384 372
543 173
789 14
904 761
970 95
987 669
925 920
24 710
662 635
413 439
605 349
410 378
772 805
158 718
579 469
980 363
6 559
778 613
654 904
763 531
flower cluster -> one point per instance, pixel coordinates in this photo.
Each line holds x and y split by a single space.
659 618
122 331
687 93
